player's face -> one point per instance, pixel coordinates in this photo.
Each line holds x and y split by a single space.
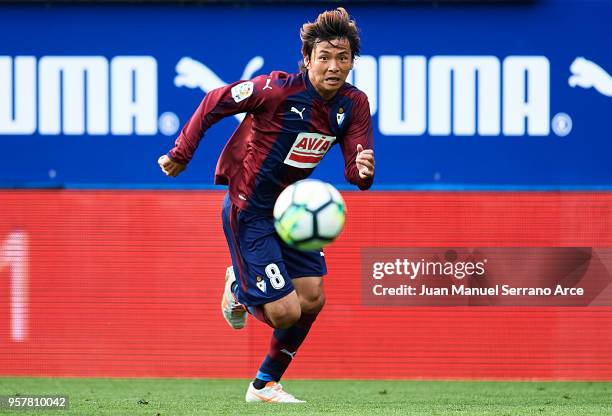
328 66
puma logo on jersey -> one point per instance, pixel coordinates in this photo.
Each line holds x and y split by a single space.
308 150
587 74
298 112
267 86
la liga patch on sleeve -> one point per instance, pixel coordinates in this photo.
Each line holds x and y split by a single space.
242 91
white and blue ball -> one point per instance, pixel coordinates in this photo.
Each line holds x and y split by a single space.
309 214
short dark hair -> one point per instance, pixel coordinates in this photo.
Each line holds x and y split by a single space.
330 25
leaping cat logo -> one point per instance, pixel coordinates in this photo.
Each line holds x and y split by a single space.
194 74
587 74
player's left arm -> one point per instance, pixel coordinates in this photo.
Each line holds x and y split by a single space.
358 147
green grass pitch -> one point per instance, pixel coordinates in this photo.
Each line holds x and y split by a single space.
178 397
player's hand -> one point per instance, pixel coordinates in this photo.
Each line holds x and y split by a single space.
365 162
170 167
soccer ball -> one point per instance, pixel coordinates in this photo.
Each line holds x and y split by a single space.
309 214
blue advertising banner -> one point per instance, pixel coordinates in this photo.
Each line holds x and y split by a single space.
496 96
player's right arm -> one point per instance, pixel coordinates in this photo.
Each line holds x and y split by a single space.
239 97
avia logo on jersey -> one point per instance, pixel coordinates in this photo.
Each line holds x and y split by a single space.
308 150
78 95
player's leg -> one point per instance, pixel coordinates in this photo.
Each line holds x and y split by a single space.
258 280
286 341
310 294
307 269
285 315
264 286
234 312
281 313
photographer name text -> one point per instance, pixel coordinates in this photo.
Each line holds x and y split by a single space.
460 290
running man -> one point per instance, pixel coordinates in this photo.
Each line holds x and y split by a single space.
264 156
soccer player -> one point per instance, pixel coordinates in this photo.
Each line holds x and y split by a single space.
291 122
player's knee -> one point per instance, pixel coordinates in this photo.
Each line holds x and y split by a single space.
312 303
311 294
283 313
286 318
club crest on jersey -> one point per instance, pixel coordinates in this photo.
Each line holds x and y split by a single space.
340 116
261 284
242 91
308 149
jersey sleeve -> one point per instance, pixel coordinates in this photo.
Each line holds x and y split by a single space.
359 132
239 97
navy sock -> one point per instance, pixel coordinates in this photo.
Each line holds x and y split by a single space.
283 347
259 384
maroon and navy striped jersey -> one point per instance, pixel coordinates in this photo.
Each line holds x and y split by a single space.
287 131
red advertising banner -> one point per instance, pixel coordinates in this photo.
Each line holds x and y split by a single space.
128 283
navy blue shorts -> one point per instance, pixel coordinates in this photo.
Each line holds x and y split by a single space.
263 264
